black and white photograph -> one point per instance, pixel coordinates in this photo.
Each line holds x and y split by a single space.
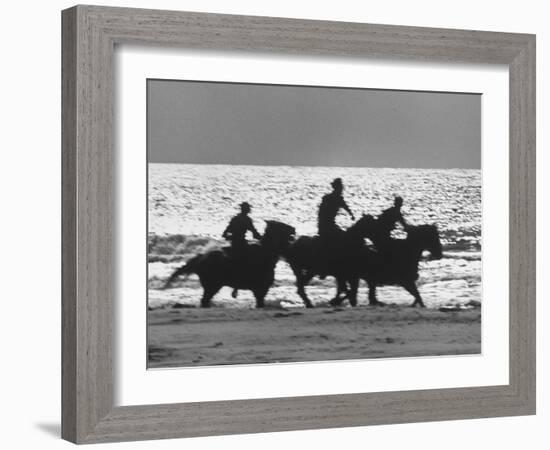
294 223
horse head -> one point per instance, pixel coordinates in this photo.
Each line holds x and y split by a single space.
365 227
427 238
278 234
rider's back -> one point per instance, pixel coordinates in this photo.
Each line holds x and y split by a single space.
238 226
330 204
387 219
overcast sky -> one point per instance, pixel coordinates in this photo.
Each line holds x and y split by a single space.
226 123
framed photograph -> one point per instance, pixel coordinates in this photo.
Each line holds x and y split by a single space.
278 224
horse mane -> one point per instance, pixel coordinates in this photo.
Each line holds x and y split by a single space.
359 222
274 228
418 229
276 224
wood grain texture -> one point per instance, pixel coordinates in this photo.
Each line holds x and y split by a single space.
523 223
89 36
68 225
88 206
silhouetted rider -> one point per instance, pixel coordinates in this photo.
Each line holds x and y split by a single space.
329 208
236 231
238 226
329 232
388 218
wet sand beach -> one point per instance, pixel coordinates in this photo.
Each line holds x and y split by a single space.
181 335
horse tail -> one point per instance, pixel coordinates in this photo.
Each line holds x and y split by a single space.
192 266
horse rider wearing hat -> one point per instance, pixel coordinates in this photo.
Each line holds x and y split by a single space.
238 226
328 210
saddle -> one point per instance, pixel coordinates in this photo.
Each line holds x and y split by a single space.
242 259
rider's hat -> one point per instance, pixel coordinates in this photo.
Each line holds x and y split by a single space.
337 182
245 205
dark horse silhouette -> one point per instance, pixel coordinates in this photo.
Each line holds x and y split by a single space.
395 264
308 257
255 271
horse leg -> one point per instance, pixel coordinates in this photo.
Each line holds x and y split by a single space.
354 286
208 293
260 294
301 281
413 290
373 301
341 287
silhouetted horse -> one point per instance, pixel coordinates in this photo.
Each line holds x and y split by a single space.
255 270
309 256
396 263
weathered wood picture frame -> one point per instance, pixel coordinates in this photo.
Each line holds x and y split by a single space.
89 37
